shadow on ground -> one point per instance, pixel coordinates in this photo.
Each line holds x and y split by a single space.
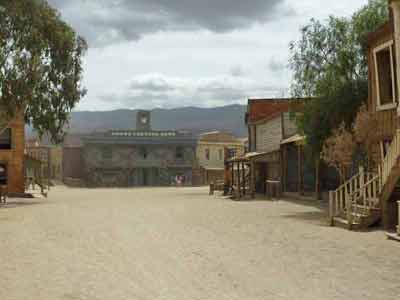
19 203
315 217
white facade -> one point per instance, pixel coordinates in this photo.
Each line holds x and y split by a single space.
269 135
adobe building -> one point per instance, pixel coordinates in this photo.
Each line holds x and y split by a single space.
140 157
12 141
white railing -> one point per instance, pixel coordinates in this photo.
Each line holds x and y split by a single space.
390 159
363 190
358 190
363 200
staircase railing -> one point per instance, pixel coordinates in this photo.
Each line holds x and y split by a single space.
364 199
363 190
343 198
390 160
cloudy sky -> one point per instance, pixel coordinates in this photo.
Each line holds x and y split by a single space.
172 53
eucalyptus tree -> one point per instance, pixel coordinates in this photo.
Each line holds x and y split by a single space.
41 66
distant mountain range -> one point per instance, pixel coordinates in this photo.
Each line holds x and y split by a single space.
227 118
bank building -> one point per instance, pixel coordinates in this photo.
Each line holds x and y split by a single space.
140 157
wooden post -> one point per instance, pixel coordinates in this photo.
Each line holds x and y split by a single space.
231 164
317 183
252 179
243 179
362 182
300 170
331 213
348 206
284 168
238 181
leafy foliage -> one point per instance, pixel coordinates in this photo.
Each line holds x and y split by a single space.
338 150
365 133
40 65
330 67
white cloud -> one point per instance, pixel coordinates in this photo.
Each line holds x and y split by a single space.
167 53
157 90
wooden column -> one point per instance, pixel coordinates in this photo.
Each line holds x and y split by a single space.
232 164
252 179
317 183
243 179
300 170
284 168
239 190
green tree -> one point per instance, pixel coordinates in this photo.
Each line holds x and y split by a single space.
329 63
40 65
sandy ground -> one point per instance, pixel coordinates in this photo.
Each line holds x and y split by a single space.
183 244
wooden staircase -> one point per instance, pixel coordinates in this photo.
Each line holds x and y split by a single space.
358 203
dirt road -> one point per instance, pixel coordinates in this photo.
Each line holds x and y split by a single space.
183 244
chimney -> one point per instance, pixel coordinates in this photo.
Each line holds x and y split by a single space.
143 120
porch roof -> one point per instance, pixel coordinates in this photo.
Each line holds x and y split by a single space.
293 139
247 157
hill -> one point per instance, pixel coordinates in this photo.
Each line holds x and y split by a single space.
227 118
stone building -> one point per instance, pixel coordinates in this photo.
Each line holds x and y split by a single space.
141 157
12 141
211 149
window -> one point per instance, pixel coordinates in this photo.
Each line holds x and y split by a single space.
231 153
220 154
107 153
384 76
385 148
179 153
207 154
5 139
143 153
3 174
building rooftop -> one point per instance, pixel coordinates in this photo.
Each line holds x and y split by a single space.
140 137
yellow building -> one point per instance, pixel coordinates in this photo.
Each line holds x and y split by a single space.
211 152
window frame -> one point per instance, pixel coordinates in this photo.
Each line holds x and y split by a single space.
179 153
207 153
11 139
388 106
220 154
5 164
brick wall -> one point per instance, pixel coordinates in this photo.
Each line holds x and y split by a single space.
14 158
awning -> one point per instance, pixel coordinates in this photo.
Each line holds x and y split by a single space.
213 169
247 157
293 139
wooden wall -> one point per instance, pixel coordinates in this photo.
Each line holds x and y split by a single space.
387 119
